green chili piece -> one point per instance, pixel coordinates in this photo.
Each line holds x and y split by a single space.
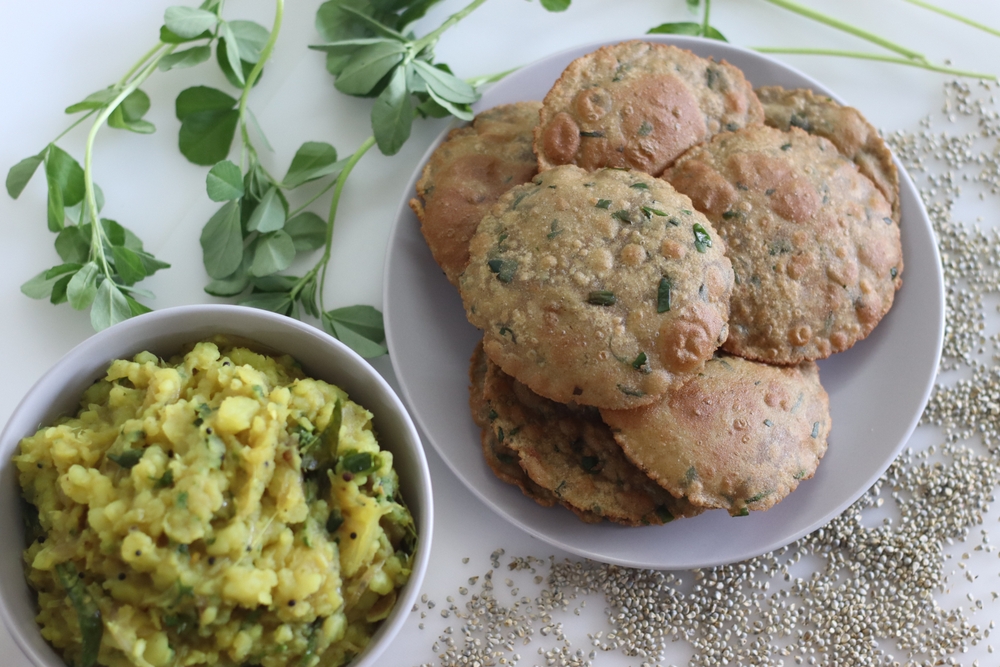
89 615
359 463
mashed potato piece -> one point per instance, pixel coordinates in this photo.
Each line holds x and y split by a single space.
218 509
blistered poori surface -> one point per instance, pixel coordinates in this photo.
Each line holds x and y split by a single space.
568 450
739 436
597 287
467 174
849 131
641 105
816 253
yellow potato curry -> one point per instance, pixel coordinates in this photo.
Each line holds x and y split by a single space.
218 509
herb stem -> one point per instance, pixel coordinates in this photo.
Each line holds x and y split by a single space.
432 37
848 28
265 53
90 201
704 20
75 123
478 81
136 67
341 180
953 15
878 57
298 209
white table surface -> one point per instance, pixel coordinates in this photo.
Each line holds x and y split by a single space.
55 52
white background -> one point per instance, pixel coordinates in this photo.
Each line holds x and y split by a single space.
55 52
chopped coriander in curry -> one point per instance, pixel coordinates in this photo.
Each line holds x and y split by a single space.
218 509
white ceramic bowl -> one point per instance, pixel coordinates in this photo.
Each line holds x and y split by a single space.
164 332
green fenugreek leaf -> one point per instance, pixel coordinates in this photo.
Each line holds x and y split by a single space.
274 252
363 345
222 241
556 5
82 287
40 286
55 211
232 284
365 320
208 124
187 58
678 28
461 111
392 114
273 283
712 33
93 101
368 65
87 612
188 22
639 361
128 265
602 298
250 39
110 307
232 51
149 263
135 307
663 295
269 216
128 115
73 244
128 458
702 240
65 174
21 173
314 159
504 269
308 231
622 215
276 302
222 59
603 203
224 182
445 84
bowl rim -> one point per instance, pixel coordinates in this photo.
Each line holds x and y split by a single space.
138 333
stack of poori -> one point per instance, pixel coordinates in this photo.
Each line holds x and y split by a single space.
657 255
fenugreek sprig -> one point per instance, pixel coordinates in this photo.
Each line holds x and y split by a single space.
371 53
101 260
904 55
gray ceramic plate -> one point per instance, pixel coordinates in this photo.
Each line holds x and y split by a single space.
877 389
